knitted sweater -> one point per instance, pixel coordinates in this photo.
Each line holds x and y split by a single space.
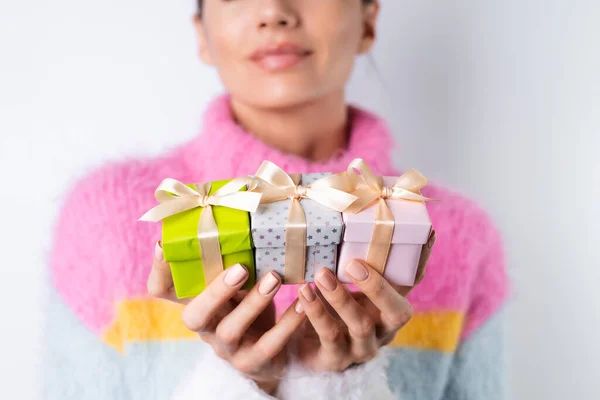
107 339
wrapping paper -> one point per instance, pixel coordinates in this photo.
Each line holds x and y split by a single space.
324 233
411 230
182 250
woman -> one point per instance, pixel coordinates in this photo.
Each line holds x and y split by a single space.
285 65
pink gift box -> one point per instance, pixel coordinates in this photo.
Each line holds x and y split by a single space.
411 232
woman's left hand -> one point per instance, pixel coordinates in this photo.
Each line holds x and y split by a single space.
349 328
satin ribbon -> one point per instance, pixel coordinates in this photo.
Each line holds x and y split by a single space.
369 189
175 197
277 185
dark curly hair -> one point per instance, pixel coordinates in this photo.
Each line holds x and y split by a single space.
200 2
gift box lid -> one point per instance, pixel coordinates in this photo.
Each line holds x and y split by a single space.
180 231
324 225
412 226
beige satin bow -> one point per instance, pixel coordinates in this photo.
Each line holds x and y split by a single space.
176 197
369 189
277 185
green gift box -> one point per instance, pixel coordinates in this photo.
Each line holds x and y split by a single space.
181 244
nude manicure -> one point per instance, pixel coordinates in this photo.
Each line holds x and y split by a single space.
235 275
326 280
357 271
268 284
308 293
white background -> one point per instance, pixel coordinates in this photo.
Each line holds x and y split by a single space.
500 99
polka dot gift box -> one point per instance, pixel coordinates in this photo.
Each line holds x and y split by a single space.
297 229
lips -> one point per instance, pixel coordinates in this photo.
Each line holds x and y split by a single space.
280 56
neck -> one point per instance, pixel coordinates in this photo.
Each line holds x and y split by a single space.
315 130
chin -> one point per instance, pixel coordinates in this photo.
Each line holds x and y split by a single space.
280 95
280 100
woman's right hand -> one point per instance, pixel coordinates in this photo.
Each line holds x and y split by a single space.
239 325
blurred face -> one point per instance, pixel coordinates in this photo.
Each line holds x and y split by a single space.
281 53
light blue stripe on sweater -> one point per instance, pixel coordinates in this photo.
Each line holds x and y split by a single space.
418 374
76 364
478 367
474 372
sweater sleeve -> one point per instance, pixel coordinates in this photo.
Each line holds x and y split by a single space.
101 255
477 370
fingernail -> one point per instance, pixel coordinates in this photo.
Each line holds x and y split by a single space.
158 252
268 284
299 308
357 271
308 293
432 240
326 280
235 275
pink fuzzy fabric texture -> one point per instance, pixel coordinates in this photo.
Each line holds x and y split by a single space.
104 256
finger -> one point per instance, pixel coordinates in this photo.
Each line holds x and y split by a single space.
160 280
329 329
275 339
211 327
231 329
422 268
335 347
361 326
359 323
396 311
424 259
198 314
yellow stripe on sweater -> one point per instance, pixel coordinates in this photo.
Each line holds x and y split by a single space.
439 330
142 320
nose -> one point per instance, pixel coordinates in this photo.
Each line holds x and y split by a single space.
277 14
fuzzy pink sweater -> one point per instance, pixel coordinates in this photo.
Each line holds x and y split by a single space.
102 257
